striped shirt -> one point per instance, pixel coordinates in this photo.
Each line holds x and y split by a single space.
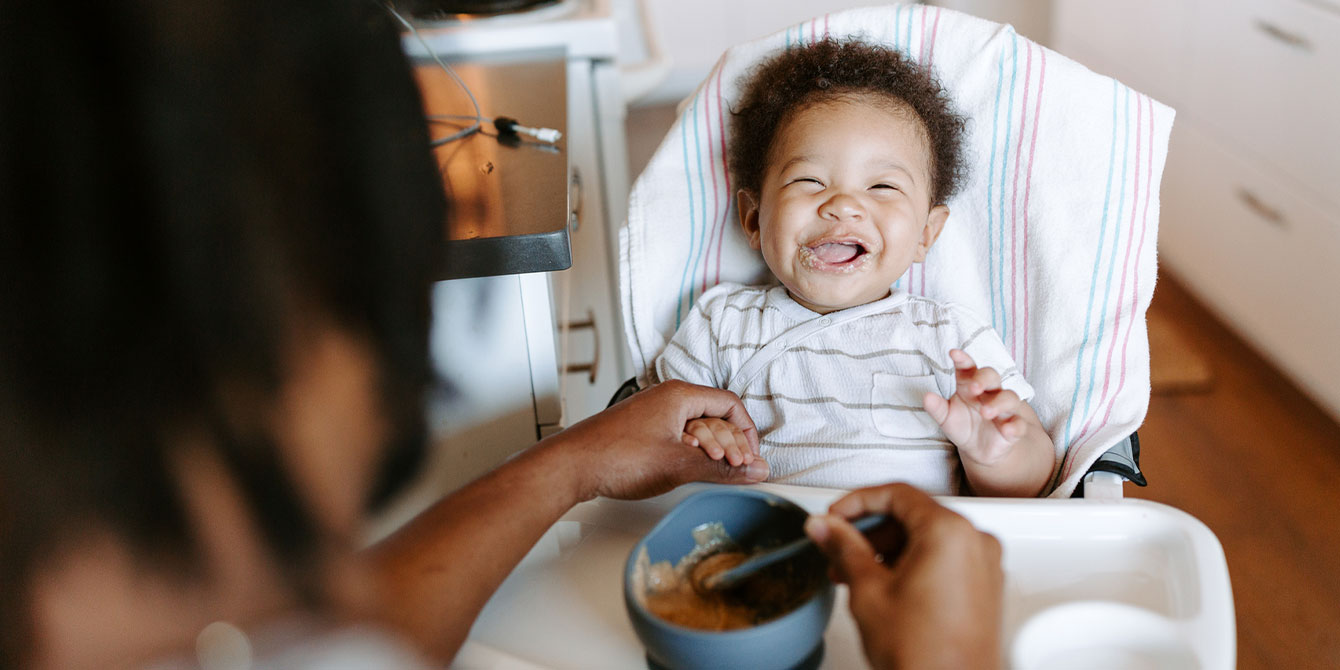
841 408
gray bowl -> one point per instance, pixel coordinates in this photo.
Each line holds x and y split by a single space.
752 518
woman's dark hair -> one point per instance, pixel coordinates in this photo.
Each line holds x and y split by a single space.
832 69
184 184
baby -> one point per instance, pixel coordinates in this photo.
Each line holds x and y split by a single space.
846 154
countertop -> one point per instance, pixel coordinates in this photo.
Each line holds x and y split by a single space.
507 202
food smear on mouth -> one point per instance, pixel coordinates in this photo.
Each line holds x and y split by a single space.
668 591
834 256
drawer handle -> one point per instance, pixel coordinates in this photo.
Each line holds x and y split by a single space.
575 201
1288 37
592 368
1269 214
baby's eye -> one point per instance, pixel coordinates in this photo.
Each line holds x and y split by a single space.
891 187
811 180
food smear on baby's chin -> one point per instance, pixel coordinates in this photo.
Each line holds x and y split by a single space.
667 590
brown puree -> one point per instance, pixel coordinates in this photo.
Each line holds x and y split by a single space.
668 591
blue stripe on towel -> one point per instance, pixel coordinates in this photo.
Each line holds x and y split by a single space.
688 179
1093 281
990 188
1004 168
702 191
908 44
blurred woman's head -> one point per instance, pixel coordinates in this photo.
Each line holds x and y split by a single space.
205 208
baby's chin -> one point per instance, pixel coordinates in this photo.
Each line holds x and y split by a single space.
824 302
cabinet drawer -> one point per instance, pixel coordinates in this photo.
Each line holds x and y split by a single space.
1264 77
1259 254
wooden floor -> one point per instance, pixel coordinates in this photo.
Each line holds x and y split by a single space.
1259 463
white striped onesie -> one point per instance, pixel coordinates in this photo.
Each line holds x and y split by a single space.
843 407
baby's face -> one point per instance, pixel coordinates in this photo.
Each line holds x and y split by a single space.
844 208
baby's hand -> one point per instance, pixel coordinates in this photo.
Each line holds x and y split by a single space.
983 419
720 439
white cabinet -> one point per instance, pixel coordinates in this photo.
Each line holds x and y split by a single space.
1268 83
592 351
1249 195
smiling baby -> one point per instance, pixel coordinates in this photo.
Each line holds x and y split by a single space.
846 154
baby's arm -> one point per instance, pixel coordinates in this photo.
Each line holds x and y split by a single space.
720 439
1004 448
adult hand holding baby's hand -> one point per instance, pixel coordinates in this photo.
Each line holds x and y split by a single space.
720 439
637 447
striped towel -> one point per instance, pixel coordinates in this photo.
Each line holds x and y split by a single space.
1052 239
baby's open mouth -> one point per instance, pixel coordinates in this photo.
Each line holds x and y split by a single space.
834 255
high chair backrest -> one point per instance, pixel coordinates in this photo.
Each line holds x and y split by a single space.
1051 240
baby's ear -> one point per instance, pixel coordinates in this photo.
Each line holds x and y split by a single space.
935 224
748 206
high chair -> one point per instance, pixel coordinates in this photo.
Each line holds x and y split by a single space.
1052 239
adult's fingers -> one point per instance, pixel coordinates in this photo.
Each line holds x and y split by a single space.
698 467
846 548
909 505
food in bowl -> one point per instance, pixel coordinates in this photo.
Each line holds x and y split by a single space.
675 592
787 637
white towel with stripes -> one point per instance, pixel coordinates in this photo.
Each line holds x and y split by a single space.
1052 240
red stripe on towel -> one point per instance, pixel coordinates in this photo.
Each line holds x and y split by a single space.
1028 190
1014 203
935 30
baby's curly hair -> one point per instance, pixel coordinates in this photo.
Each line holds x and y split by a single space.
833 69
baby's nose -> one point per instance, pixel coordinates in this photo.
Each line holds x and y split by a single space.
841 207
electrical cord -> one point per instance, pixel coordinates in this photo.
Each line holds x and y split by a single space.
504 125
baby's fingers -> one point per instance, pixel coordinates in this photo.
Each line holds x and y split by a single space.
1012 429
706 439
1000 404
732 441
973 382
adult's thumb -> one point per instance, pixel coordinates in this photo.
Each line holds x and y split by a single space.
850 553
722 472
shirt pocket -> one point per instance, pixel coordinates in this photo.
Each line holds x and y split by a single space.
896 406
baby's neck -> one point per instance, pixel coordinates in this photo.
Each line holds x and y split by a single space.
824 309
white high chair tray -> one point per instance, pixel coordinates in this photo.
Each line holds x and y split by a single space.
1124 584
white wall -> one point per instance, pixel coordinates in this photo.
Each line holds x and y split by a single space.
1031 18
696 32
